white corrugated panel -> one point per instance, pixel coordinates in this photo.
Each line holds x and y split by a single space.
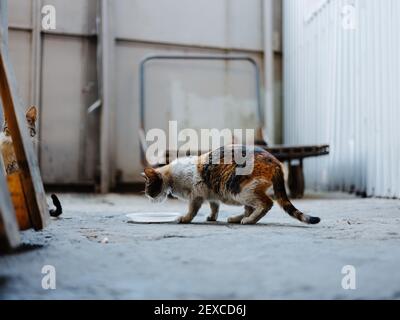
341 87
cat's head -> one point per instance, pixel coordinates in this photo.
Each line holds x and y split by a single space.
31 117
156 188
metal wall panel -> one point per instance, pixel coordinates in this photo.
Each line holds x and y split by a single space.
20 45
341 88
211 23
74 16
69 147
20 53
68 141
20 13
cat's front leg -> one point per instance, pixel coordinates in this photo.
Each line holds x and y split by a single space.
194 207
214 206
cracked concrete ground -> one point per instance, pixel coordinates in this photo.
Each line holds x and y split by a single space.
279 258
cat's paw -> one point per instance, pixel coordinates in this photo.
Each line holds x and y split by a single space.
184 220
247 221
234 220
211 219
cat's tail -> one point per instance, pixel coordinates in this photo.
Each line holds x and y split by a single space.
283 200
58 210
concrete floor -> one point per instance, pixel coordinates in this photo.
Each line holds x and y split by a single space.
279 258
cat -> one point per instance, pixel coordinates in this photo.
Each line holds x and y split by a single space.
9 158
6 145
199 179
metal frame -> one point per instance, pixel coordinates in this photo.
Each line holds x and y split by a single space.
142 84
201 58
104 65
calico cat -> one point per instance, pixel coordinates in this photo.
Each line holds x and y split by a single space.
6 145
200 179
9 158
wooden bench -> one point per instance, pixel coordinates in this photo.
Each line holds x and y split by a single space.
293 155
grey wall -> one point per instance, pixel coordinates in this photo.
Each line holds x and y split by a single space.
63 80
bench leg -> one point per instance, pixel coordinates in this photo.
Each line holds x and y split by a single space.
296 180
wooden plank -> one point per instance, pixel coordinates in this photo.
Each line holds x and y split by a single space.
284 153
9 232
18 199
27 161
23 146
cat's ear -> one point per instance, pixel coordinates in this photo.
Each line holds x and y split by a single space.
151 173
31 114
5 128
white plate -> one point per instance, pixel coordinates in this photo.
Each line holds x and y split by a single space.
154 217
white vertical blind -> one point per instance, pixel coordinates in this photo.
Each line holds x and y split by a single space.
342 87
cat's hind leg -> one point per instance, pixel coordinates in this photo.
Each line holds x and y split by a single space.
238 219
255 196
214 206
194 207
262 205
